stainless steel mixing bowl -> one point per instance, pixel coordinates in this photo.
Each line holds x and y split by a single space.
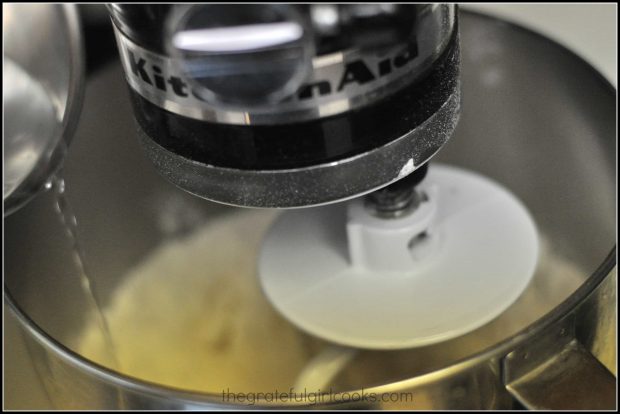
536 118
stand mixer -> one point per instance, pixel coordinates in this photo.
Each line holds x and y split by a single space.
333 112
353 98
295 106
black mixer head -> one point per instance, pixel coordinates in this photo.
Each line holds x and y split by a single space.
290 105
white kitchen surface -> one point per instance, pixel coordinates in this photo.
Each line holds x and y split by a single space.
590 30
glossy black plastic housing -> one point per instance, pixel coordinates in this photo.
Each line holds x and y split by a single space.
297 145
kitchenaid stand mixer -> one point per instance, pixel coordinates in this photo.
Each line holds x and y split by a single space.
297 106
338 109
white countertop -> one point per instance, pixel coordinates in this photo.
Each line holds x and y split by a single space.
589 30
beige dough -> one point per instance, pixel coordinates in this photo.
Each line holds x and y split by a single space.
192 316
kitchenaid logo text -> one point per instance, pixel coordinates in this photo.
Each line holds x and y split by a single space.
353 73
359 72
